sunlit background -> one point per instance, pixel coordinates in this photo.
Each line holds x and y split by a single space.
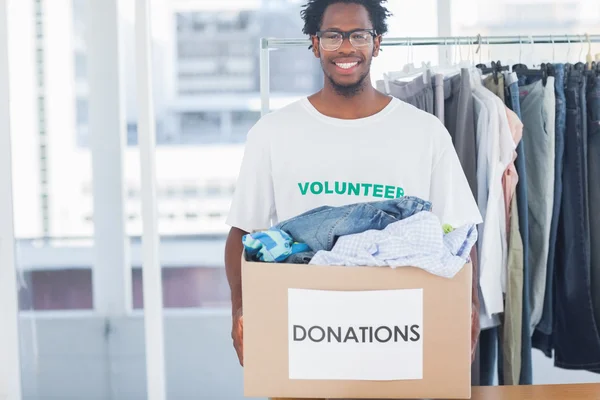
81 338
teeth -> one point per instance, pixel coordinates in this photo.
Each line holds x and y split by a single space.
346 65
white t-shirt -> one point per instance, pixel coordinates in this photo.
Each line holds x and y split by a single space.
297 159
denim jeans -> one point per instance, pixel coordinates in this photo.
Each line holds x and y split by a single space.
526 375
542 336
321 227
593 99
538 109
576 340
490 341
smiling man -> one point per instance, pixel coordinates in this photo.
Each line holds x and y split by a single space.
347 143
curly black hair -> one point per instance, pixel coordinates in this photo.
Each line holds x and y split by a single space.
313 11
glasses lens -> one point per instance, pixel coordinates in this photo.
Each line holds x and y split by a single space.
360 38
331 40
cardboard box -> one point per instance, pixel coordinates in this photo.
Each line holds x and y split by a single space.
355 332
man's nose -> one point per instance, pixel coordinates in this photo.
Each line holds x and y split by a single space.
346 47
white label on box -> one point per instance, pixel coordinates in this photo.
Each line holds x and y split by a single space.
355 335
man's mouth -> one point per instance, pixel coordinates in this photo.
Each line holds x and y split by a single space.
346 67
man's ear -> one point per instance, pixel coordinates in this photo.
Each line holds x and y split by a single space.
315 46
376 45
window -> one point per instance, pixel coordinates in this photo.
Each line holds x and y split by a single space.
82 110
187 287
80 65
62 289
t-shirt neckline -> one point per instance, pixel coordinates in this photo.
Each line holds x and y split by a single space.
349 122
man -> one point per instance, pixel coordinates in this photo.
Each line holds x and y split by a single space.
346 132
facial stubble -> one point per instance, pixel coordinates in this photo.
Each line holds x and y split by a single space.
350 90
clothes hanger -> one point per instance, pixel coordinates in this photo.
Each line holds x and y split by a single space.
545 69
580 64
481 65
588 57
549 63
520 66
409 70
510 61
393 75
495 67
446 68
466 63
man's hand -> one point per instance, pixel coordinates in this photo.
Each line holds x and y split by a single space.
237 334
474 330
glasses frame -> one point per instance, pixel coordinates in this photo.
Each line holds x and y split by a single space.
345 35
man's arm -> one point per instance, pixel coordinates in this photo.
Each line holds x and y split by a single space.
233 266
233 269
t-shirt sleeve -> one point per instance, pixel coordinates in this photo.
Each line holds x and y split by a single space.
253 203
450 194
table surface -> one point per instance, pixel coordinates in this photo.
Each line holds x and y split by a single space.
535 392
529 392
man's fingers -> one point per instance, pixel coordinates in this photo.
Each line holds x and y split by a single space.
239 348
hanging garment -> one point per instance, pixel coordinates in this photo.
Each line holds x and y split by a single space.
417 241
575 336
538 113
513 100
513 315
459 120
502 343
511 177
438 96
484 125
494 152
495 87
321 227
486 122
593 98
542 336
510 334
418 92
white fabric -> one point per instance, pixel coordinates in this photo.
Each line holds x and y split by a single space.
507 149
400 150
418 241
492 149
484 125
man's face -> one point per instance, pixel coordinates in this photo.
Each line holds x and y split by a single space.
348 65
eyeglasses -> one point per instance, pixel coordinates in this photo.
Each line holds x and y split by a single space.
332 40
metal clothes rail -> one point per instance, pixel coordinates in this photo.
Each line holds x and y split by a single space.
268 44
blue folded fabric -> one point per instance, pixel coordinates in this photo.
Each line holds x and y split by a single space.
273 245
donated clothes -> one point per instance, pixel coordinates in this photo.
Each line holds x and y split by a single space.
321 227
271 246
417 241
318 229
399 232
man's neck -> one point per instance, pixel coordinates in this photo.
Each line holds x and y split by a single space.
363 104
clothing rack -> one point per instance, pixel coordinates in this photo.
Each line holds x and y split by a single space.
268 44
